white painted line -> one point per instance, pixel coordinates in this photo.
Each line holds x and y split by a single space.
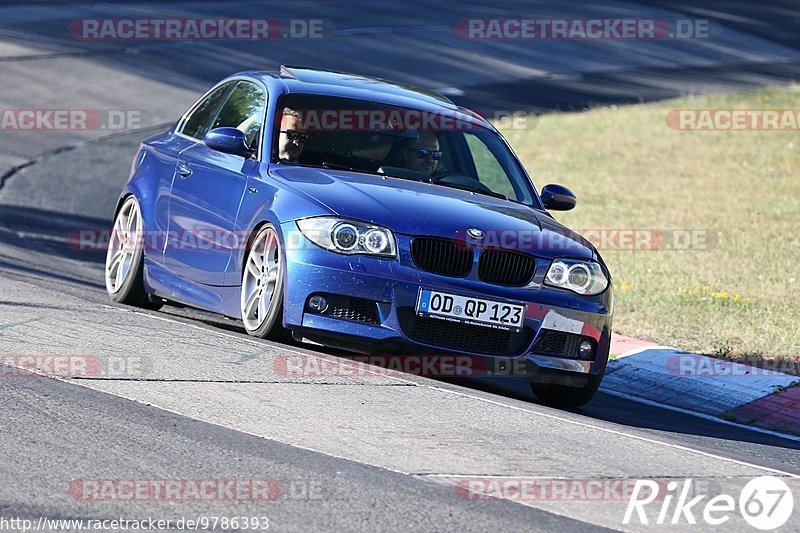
322 357
535 413
424 382
204 421
623 434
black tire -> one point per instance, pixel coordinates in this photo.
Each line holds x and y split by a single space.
131 290
567 397
272 326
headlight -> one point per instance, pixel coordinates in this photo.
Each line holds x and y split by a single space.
347 236
584 277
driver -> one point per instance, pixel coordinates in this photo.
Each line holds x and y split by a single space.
292 137
421 154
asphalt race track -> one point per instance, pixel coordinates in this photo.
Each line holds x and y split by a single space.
186 395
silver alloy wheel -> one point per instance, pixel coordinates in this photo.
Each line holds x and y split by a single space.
123 245
262 271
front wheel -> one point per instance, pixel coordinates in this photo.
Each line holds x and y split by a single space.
124 270
262 286
563 396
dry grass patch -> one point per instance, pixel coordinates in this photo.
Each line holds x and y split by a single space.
740 294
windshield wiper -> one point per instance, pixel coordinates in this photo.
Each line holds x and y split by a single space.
475 190
337 166
328 164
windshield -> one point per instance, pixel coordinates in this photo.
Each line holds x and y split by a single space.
451 150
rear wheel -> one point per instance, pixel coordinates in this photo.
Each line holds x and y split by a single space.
262 286
124 270
563 396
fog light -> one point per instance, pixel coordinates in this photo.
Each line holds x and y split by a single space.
318 303
585 349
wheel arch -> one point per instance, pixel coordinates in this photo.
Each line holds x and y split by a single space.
252 236
257 227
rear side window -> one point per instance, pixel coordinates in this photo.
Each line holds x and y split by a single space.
199 122
244 110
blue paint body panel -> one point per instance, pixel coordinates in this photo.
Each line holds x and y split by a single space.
226 197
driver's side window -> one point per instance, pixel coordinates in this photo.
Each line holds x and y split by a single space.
244 110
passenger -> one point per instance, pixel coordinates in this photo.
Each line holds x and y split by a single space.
421 154
292 138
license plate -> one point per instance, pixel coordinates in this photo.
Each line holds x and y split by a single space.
469 310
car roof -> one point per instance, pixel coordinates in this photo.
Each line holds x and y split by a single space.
297 79
357 81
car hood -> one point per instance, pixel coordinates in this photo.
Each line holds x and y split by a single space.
417 208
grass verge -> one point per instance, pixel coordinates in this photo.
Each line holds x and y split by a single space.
729 201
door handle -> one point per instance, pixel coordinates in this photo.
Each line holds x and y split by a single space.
184 171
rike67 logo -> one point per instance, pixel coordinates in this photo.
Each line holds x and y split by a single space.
765 503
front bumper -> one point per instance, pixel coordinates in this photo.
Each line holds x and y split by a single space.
394 284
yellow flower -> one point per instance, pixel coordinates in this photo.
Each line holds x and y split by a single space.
622 286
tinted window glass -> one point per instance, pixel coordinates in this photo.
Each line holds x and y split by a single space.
442 147
488 169
244 110
199 122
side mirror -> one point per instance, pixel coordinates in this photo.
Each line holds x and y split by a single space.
228 141
557 197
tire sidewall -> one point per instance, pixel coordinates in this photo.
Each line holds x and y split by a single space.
273 324
133 286
567 397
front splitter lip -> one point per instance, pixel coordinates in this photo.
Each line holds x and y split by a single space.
559 363
322 332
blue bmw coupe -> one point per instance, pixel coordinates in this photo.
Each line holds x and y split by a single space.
366 215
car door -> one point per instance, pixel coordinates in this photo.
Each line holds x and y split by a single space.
193 125
207 191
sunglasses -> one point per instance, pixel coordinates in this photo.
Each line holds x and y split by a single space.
433 155
296 135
